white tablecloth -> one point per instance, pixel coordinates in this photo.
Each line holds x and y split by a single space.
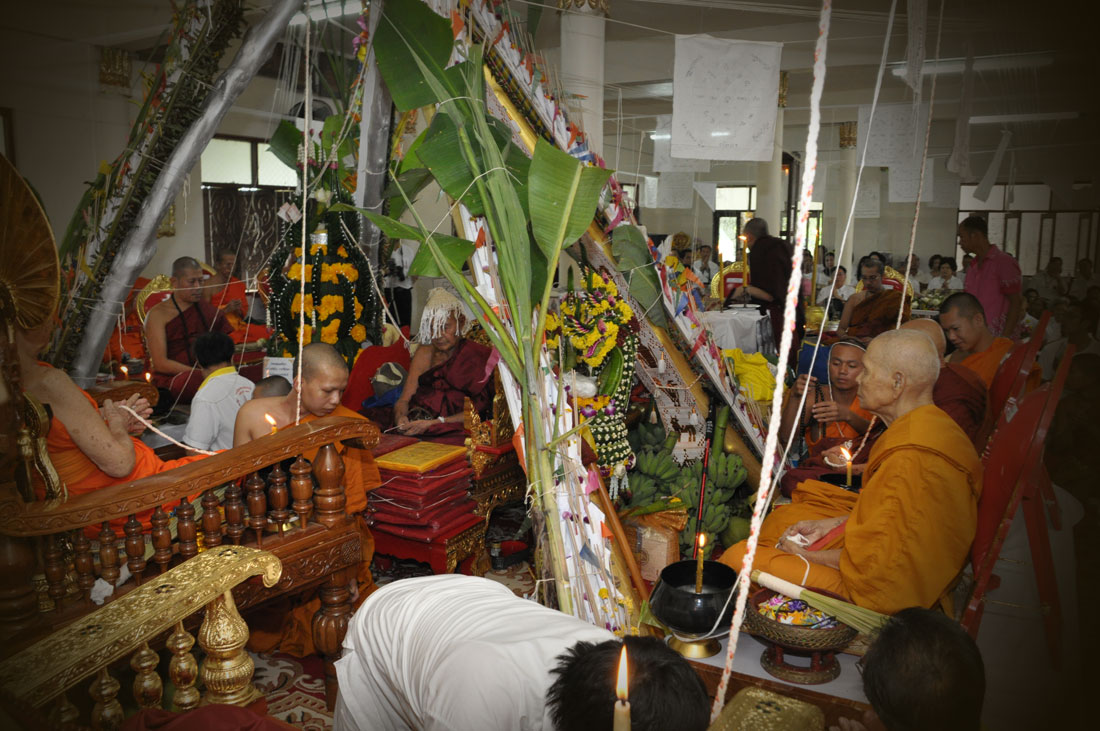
740 327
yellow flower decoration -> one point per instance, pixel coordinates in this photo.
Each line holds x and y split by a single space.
358 333
330 330
296 303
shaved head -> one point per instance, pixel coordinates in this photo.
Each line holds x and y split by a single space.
964 303
317 357
907 352
185 264
932 330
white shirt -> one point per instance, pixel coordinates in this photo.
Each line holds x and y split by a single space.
705 271
452 653
1051 354
214 409
403 255
939 283
842 294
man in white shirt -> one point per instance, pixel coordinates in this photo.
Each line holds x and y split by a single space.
1083 278
221 394
1049 283
462 653
704 267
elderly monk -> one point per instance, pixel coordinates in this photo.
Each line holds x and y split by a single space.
958 391
321 385
172 326
962 318
874 309
902 540
445 370
323 380
230 296
91 448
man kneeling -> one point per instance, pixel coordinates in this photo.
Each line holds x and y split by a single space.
903 539
461 653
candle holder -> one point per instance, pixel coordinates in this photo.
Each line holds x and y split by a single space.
693 615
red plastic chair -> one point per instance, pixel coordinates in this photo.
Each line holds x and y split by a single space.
367 364
1009 461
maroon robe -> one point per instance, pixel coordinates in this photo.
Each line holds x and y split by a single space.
180 333
962 394
442 390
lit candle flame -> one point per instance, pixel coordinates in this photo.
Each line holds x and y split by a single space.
125 371
270 420
148 377
847 454
702 540
742 237
620 685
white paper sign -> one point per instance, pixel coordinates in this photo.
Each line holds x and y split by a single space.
279 367
904 181
867 197
725 95
674 190
708 192
896 135
663 162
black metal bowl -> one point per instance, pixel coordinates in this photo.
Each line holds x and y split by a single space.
679 608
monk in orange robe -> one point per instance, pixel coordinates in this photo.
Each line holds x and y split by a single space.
91 448
962 318
902 540
874 309
959 391
324 378
230 296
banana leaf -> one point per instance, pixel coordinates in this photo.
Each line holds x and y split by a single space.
454 249
412 181
284 143
634 260
411 34
562 194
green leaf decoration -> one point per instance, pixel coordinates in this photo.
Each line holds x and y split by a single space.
412 181
631 252
442 153
629 246
562 195
412 157
408 35
455 250
284 143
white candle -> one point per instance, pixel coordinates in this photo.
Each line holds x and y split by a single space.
622 706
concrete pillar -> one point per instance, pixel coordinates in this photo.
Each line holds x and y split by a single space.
771 184
582 64
846 191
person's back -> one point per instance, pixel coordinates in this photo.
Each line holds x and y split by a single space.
220 396
463 653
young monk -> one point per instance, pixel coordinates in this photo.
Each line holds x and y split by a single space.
962 318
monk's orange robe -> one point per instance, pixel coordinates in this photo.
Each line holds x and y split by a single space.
836 432
909 530
243 331
81 475
986 362
287 626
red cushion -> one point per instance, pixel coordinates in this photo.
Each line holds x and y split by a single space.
366 365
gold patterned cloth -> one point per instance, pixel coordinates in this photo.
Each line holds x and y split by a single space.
756 709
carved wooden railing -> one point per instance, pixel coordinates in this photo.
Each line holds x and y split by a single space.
299 516
35 682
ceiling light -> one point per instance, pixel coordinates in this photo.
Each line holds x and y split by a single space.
1035 117
981 63
663 136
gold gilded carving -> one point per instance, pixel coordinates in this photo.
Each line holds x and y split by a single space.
59 661
848 135
183 670
107 711
148 688
465 544
227 670
600 6
784 79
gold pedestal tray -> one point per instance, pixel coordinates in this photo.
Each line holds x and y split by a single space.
695 649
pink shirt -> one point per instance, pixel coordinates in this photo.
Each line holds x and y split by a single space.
992 281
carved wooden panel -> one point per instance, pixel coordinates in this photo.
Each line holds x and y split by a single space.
243 221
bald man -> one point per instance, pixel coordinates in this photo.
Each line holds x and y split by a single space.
962 318
324 378
322 383
171 327
902 540
958 391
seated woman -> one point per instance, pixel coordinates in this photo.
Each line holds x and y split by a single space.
445 370
832 417
91 448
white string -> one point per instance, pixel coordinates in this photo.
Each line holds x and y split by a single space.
923 165
794 283
307 147
159 433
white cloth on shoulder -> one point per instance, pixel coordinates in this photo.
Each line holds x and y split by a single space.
214 410
454 653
